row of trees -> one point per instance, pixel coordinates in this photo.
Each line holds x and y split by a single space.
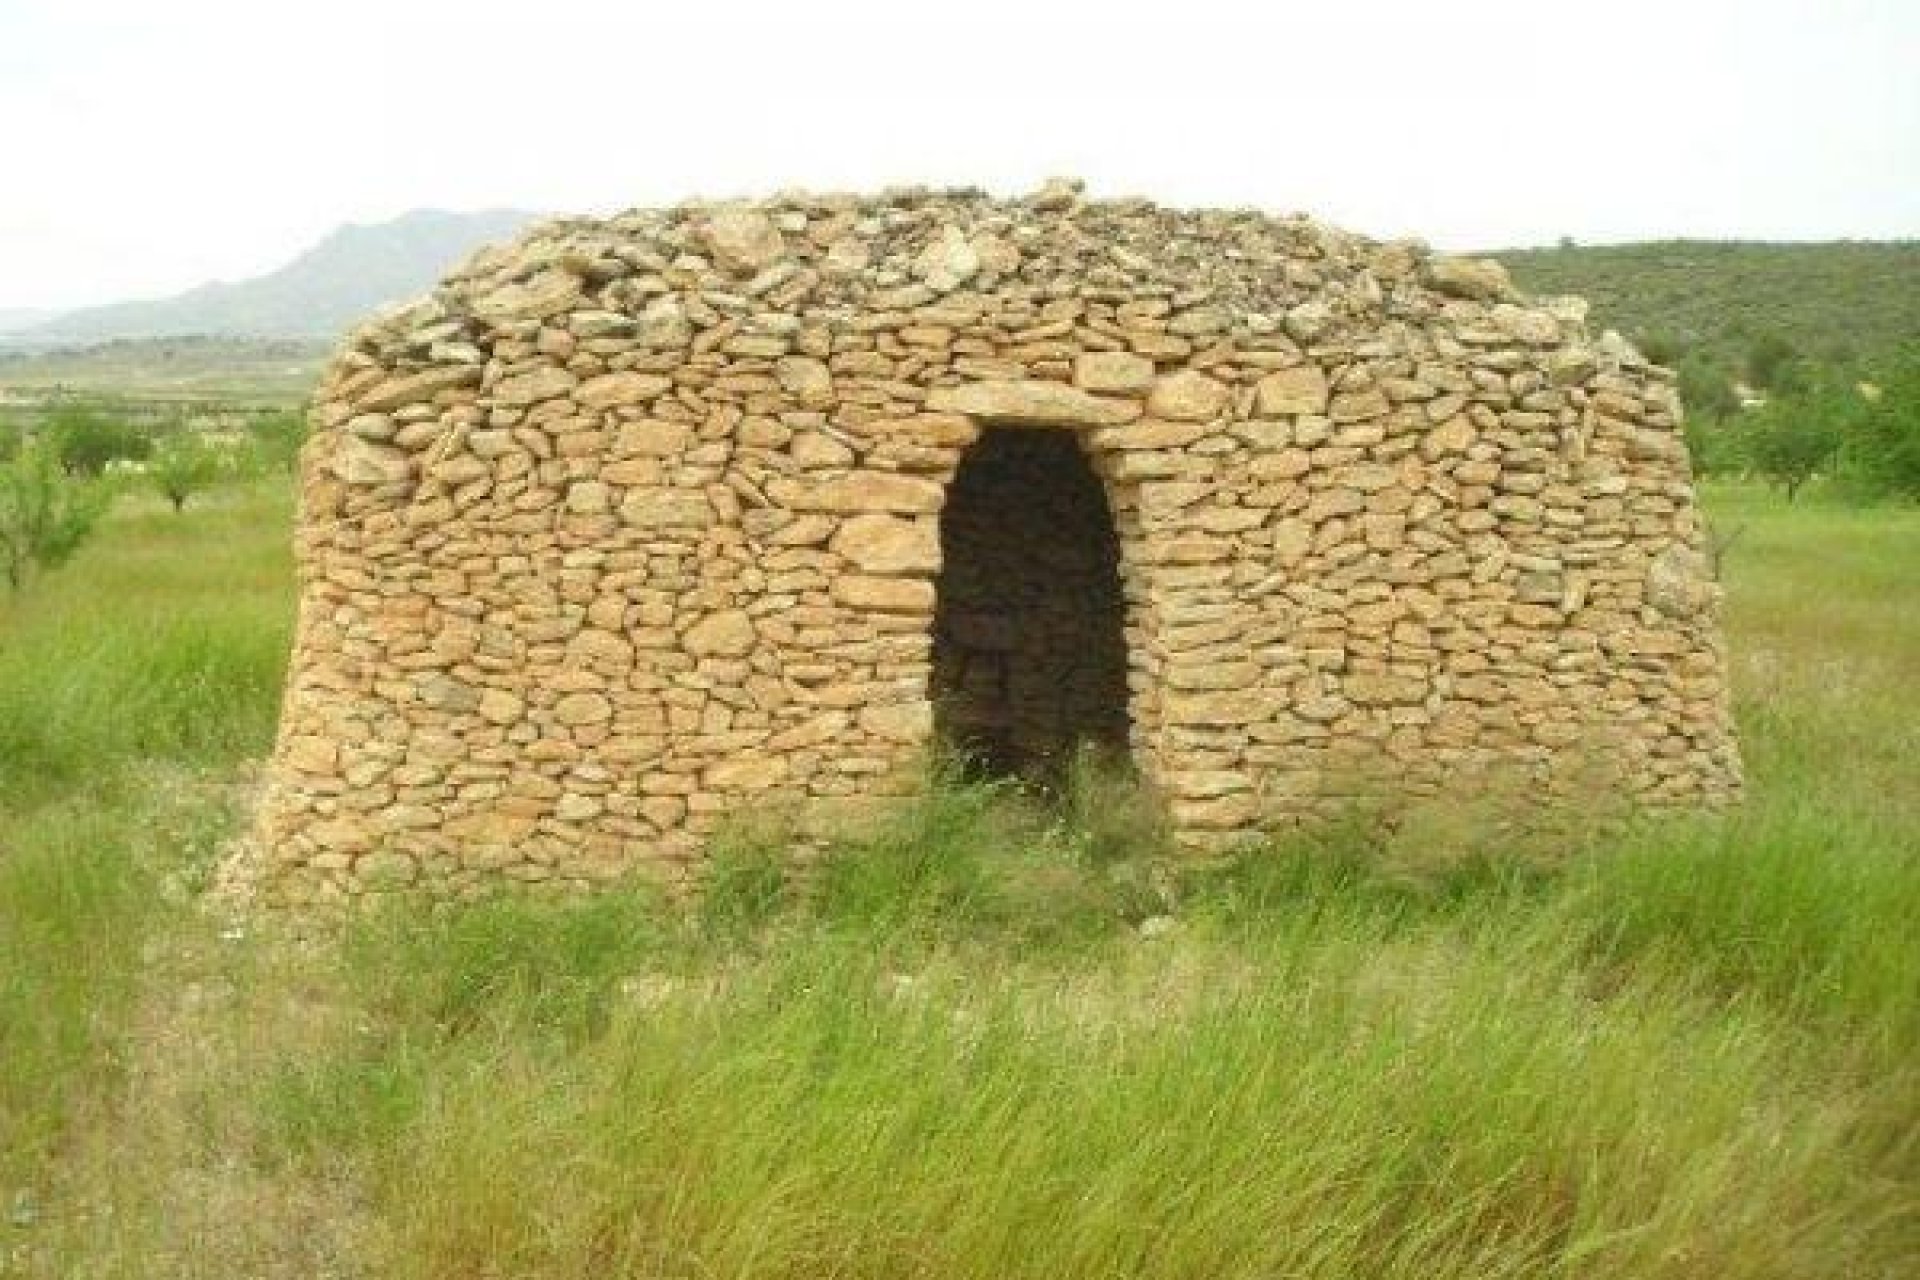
58 479
1855 425
90 440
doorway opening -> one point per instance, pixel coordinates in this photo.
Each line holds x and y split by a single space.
1029 645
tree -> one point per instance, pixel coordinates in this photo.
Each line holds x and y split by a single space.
1769 359
87 440
182 466
1790 439
1705 389
45 513
1881 456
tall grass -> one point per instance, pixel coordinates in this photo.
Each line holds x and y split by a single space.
984 1036
166 641
160 649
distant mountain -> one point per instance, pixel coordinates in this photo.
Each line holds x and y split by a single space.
1832 300
355 270
13 319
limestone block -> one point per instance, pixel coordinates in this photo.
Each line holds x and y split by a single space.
884 594
743 241
948 261
309 753
863 491
1112 372
1453 436
363 463
729 633
899 721
806 379
535 385
584 708
749 773
1188 396
613 390
666 509
1357 406
406 389
885 544
1033 403
1677 582
543 294
1284 392
1482 279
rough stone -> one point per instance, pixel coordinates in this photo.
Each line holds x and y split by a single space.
417 388
614 390
1188 396
544 294
575 709
729 634
1284 392
1110 372
1481 279
1033 403
885 544
743 240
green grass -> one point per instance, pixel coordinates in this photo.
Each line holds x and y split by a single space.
168 642
156 658
1685 1049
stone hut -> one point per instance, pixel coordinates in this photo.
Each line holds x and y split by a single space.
639 523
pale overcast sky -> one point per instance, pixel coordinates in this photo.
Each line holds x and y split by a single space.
151 146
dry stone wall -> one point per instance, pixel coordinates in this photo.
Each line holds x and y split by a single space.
637 523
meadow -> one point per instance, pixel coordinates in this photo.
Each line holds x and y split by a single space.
989 1038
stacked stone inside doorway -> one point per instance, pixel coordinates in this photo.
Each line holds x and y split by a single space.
639 524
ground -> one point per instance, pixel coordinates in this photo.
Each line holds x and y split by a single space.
987 1039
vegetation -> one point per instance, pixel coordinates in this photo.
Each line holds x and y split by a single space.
277 437
278 371
959 1047
1859 427
1795 322
88 440
45 513
184 465
1745 307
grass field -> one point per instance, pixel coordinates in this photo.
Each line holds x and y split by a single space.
1691 1049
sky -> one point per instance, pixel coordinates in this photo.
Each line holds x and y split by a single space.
149 147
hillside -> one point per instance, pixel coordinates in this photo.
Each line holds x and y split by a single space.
1827 301
353 271
14 318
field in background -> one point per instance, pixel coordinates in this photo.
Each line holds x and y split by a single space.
249 371
990 1040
